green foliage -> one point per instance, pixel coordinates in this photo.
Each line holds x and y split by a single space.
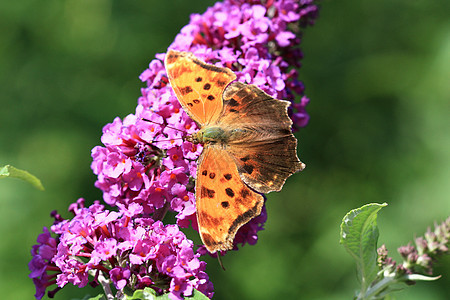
98 297
378 277
359 235
146 294
10 171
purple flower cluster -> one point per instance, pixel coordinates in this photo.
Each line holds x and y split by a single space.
129 250
41 264
147 168
149 162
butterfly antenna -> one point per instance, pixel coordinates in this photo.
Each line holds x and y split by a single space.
219 254
180 138
150 121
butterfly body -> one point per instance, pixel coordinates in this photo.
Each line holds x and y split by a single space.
219 135
210 134
248 145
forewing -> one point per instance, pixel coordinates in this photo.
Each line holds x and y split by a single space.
224 203
199 86
265 151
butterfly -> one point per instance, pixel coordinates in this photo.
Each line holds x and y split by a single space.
248 146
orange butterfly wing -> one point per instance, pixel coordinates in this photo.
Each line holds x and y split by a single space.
198 86
224 202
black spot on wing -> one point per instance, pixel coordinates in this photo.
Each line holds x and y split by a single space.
229 192
186 90
225 204
172 56
248 168
227 176
245 158
244 193
212 175
205 192
207 86
233 102
221 83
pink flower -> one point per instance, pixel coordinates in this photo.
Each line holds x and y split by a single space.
127 252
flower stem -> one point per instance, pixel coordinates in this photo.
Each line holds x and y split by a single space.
105 285
372 291
159 214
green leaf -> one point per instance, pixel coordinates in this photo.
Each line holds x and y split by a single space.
150 294
145 294
359 235
98 297
198 296
10 171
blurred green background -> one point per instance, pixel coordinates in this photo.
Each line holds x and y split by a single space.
377 73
